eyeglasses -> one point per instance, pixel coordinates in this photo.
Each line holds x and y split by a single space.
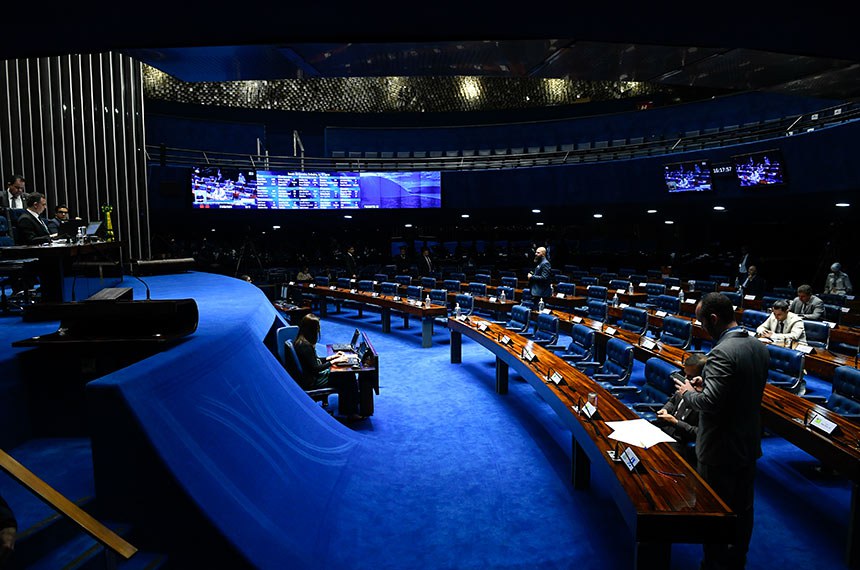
62 211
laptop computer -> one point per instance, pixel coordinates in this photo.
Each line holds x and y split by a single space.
357 358
92 228
347 347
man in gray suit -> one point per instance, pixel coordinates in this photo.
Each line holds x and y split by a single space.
728 442
541 280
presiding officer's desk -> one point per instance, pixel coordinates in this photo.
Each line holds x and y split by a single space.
368 375
666 501
69 271
386 303
783 413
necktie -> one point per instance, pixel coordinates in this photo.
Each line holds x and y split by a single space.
779 327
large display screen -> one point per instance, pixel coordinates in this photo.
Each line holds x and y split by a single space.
760 169
692 176
281 190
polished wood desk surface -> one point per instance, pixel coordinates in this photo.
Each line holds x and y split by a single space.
667 501
402 304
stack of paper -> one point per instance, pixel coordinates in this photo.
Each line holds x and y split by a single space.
640 433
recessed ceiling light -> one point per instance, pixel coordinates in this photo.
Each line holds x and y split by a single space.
720 208
539 224
348 217
598 216
842 204
407 225
213 229
276 227
464 215
670 222
652 211
535 211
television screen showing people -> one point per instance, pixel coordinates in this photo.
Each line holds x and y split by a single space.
283 190
694 176
759 169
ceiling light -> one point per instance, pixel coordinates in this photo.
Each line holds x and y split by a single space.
598 216
842 204
539 224
347 217
407 225
535 211
276 227
464 215
669 222
720 208
652 211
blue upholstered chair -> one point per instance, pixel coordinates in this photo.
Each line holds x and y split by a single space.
546 330
380 277
668 303
291 362
388 288
832 313
509 281
428 282
578 274
414 292
653 395
510 292
736 298
676 332
750 319
439 297
832 299
671 281
466 302
845 397
458 276
451 285
483 278
634 319
321 281
478 288
597 310
817 333
618 284
568 289
706 286
581 347
527 300
343 283
561 278
638 278
616 368
365 285
520 319
405 280
596 293
588 280
786 369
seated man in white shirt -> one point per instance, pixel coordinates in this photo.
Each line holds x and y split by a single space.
782 326
806 305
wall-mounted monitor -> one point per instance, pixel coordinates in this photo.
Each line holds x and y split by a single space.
690 176
224 188
764 168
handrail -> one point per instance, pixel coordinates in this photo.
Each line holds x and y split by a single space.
64 506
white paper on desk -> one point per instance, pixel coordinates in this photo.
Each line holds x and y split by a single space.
640 433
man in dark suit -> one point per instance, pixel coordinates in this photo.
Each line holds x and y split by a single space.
425 264
32 229
728 441
13 196
678 419
541 279
350 263
753 284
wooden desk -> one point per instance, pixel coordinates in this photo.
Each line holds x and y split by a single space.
659 509
386 303
293 313
368 376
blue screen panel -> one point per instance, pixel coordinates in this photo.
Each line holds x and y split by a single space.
692 176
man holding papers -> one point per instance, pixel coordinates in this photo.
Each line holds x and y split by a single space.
728 441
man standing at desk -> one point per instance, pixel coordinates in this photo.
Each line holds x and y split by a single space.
728 441
32 229
13 197
540 280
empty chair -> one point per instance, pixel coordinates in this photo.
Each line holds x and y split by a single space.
578 274
608 276
676 332
638 278
706 286
634 319
786 369
668 303
428 282
671 282
405 280
750 320
653 290
588 280
476 288
458 276
832 299
817 333
832 313
365 285
844 399
509 281
388 288
527 300
561 278
483 278
581 347
735 298
380 277
596 292
508 291
414 292
520 319
466 302
597 310
654 275
616 368
658 388
321 281
618 284
567 289
598 270
626 272
546 330
507 273
344 283
451 285
439 297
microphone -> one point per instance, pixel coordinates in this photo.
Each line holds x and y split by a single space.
148 293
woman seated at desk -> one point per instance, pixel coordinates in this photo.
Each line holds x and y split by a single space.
316 371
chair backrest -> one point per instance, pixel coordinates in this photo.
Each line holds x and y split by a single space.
403 279
527 299
706 286
832 298
291 362
451 285
832 313
659 384
668 303
483 278
547 328
478 288
467 303
509 292
282 335
596 292
458 276
785 292
672 281
509 282
507 273
388 288
653 290
597 270
618 284
817 333
638 278
845 398
561 278
578 274
321 280
654 274
634 319
588 280
520 318
676 332
767 301
439 297
626 272
380 277
597 310
566 288
428 282
365 285
735 298
343 282
619 360
414 291
750 319
786 366
581 342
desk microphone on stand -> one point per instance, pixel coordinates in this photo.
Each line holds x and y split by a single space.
148 293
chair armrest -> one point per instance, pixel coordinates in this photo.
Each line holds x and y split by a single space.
626 390
605 376
571 357
527 334
587 364
815 399
543 343
555 347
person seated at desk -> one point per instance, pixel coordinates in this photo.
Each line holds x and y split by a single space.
753 284
61 215
837 282
678 419
806 305
316 371
304 275
782 325
32 229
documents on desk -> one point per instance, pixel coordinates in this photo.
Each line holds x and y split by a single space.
640 433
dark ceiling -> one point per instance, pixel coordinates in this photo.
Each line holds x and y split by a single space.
722 48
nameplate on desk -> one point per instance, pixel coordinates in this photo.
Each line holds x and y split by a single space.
353 291
462 318
374 294
829 324
661 313
649 344
376 282
734 307
846 309
505 340
482 327
577 319
629 459
621 291
559 295
610 331
352 280
749 297
849 297
805 349
623 306
822 423
291 283
690 301
546 312
332 287
556 378
312 285
589 409
527 355
643 284
674 288
724 285
396 298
